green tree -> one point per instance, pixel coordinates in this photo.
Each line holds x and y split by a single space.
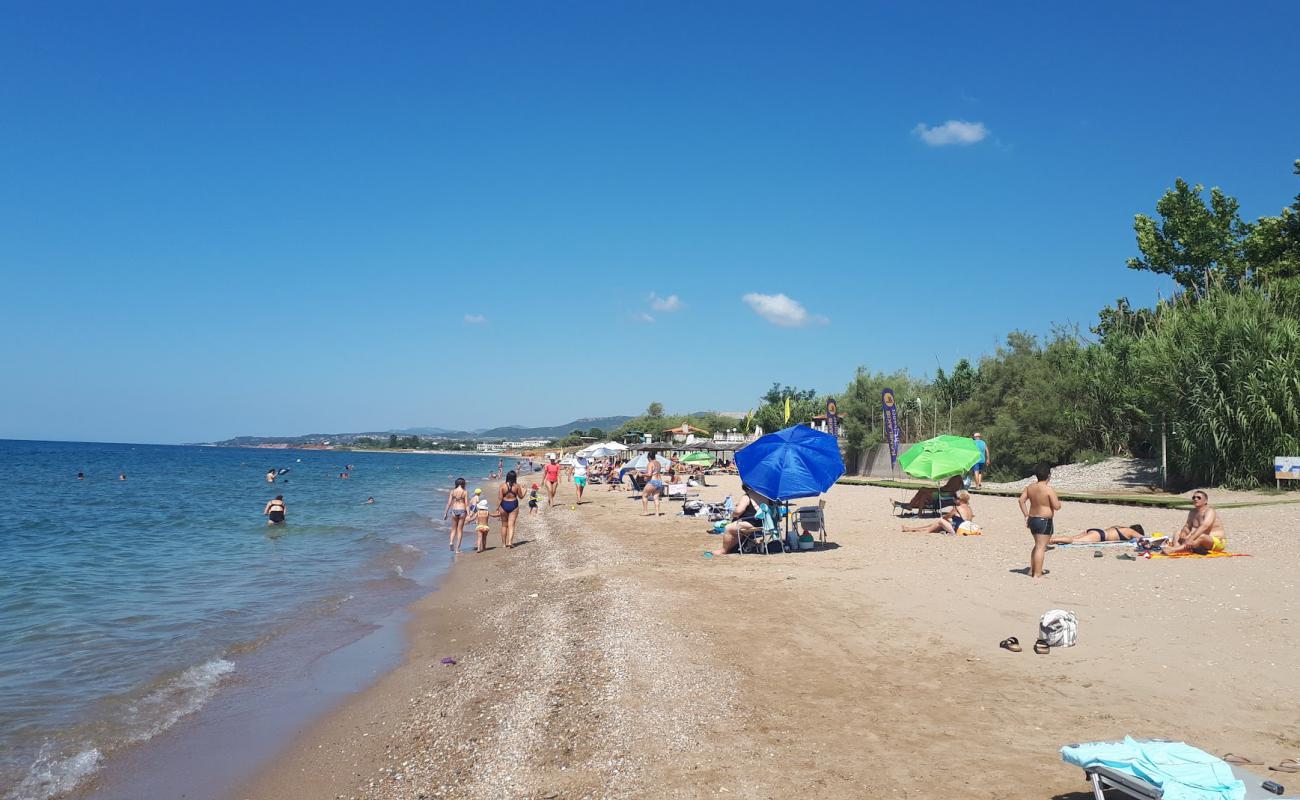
1225 373
1193 243
655 410
860 408
804 405
392 440
596 433
956 388
1273 245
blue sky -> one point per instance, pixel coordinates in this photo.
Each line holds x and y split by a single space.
251 218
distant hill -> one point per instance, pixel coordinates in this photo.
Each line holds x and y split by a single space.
505 432
554 431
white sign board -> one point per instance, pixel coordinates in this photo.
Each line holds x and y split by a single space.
1286 468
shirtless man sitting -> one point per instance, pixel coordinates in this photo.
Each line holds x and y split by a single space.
1202 532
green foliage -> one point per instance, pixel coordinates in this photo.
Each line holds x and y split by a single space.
1226 373
655 410
1193 243
596 433
1273 245
957 388
804 405
656 425
860 407
392 440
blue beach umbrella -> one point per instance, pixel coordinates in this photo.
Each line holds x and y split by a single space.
795 462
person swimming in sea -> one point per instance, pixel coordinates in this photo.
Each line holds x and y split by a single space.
274 510
270 475
81 476
370 501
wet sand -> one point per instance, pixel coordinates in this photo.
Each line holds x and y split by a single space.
606 657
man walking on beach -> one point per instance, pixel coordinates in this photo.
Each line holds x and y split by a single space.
1039 503
551 477
983 463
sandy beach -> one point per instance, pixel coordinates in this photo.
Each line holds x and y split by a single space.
607 657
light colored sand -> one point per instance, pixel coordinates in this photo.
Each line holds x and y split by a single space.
869 669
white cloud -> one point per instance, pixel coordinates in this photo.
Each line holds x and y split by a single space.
954 131
781 310
641 316
475 319
670 303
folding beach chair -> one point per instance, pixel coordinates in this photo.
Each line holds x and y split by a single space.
811 519
766 539
944 497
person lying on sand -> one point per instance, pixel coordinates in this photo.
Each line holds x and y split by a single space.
1202 532
1115 533
952 520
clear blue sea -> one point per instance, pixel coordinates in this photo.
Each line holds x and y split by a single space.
127 606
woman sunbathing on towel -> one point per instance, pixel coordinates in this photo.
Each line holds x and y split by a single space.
952 520
1115 533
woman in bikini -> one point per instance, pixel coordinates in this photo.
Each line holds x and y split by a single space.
508 496
274 511
457 506
952 519
1115 533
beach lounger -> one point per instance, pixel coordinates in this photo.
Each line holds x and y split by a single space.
945 497
1160 770
812 519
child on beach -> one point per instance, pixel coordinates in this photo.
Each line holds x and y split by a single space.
532 499
482 514
1039 503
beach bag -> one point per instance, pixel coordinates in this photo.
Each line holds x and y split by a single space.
1059 628
968 528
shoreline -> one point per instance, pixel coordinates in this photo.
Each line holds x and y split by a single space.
615 661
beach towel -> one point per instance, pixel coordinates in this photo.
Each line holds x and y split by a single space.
1183 772
1095 544
1217 554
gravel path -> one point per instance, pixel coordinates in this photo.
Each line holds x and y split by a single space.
1111 475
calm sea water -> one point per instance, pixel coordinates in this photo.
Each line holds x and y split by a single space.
126 606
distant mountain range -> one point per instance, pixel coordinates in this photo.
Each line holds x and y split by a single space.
504 432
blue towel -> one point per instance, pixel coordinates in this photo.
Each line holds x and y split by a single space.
1182 771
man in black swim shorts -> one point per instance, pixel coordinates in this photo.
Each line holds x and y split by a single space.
1039 503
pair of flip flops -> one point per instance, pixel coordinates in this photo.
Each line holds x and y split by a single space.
1288 765
1013 644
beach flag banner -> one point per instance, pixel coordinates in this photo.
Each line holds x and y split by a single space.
891 423
787 410
832 418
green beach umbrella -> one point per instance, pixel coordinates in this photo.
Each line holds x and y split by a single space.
940 457
698 459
